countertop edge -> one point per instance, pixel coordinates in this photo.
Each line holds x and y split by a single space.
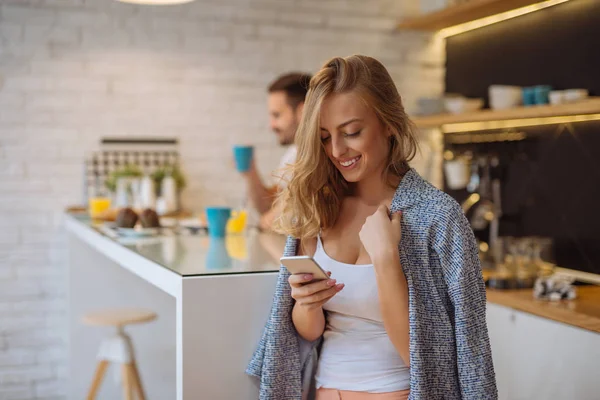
156 274
567 311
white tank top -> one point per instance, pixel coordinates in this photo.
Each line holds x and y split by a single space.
357 353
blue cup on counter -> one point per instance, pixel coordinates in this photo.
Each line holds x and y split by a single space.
529 96
541 94
243 157
217 256
217 218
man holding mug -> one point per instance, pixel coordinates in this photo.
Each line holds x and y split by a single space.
285 104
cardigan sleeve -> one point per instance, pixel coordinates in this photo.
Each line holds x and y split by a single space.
456 248
276 361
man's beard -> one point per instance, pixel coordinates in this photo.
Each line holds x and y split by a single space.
284 140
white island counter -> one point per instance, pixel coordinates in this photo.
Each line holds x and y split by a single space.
212 298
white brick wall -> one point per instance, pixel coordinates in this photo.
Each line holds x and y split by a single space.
73 71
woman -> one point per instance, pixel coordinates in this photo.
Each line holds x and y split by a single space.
404 311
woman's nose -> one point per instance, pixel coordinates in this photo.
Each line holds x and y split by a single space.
338 147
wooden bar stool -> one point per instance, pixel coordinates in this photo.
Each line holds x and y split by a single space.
118 349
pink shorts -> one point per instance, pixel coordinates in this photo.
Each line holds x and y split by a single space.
333 394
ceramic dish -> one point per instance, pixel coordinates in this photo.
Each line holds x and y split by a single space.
138 232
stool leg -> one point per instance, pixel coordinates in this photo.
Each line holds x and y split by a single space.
98 375
137 382
126 372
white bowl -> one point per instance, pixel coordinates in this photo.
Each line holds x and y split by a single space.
572 95
503 97
459 105
556 97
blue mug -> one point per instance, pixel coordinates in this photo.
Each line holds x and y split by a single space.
217 218
243 157
541 94
528 96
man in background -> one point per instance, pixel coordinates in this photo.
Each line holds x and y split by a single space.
285 104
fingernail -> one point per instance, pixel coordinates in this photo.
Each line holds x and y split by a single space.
339 286
331 282
308 277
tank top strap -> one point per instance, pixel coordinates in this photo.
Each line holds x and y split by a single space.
319 243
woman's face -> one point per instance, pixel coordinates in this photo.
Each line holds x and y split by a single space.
354 138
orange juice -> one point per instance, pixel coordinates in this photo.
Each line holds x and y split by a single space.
98 205
237 222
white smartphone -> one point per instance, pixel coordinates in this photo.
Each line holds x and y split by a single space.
304 265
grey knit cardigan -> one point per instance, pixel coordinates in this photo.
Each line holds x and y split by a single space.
450 355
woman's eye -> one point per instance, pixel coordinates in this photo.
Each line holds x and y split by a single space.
324 139
353 134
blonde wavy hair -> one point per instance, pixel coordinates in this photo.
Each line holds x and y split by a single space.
313 196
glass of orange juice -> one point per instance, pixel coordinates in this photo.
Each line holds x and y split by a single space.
98 205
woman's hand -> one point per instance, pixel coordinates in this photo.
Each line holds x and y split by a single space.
380 236
312 294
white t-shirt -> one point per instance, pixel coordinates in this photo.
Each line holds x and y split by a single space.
280 177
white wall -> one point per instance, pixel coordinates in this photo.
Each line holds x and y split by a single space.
73 71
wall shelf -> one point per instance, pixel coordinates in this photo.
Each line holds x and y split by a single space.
461 13
585 107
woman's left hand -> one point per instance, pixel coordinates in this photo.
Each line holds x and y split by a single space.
380 236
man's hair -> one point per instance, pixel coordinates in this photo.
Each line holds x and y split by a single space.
295 86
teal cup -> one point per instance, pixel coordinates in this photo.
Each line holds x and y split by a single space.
243 157
217 218
528 96
541 94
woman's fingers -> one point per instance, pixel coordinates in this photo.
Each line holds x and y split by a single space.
299 279
320 297
314 287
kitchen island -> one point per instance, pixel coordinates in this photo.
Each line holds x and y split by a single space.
212 298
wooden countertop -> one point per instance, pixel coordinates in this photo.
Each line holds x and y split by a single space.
582 312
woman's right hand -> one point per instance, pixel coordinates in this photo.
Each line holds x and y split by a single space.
313 294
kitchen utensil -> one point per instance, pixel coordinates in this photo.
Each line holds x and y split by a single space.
243 157
123 196
138 232
541 93
528 96
482 215
217 218
502 278
458 105
98 206
473 184
457 173
503 97
237 222
169 194
556 97
147 193
483 212
573 95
